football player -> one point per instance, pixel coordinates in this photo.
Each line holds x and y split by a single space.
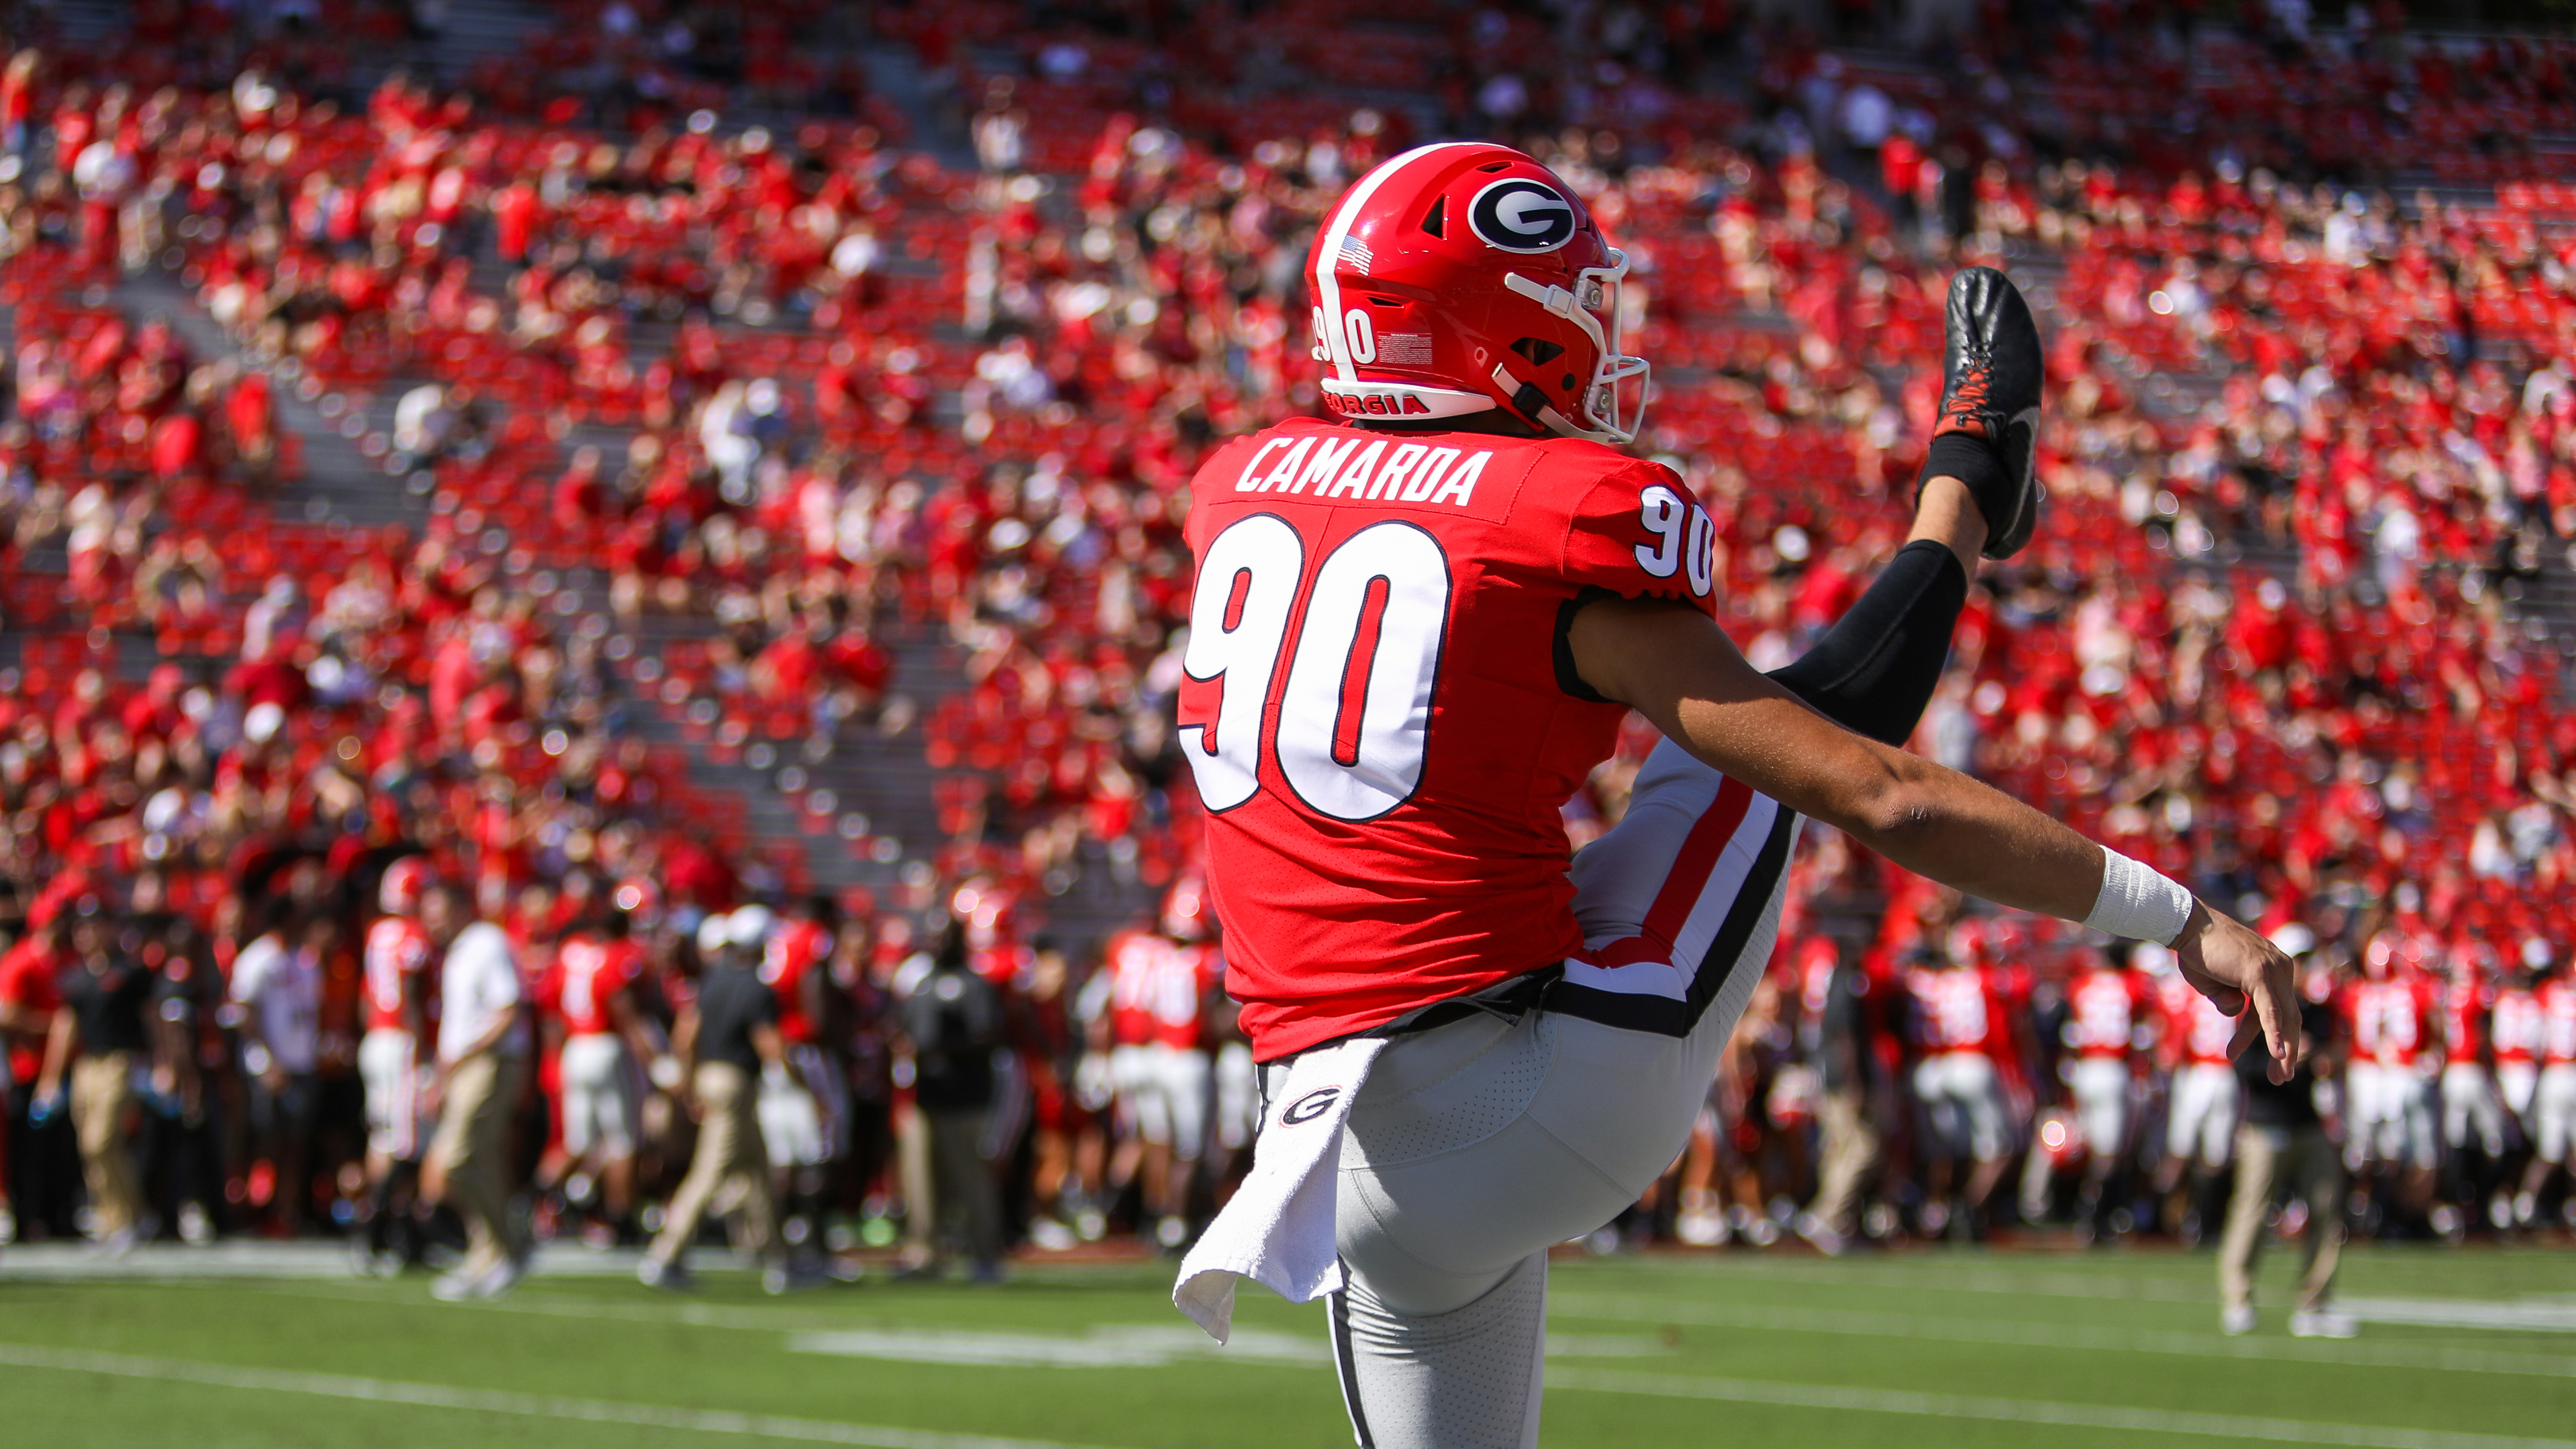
2202 1098
1964 1011
1158 982
395 1061
2106 1005
2472 1110
1410 640
590 1010
2389 1015
2519 1035
2553 1098
796 963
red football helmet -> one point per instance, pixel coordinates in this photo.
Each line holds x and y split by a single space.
1464 276
399 892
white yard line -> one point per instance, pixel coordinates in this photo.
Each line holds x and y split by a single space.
2098 1417
1862 1324
1927 1274
862 1335
656 1308
1932 1273
311 1260
2550 1315
1856 1323
439 1396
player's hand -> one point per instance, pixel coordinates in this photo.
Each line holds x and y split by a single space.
2250 979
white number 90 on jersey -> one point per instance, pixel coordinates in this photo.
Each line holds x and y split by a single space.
1356 703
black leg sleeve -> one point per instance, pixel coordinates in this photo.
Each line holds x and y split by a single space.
1875 670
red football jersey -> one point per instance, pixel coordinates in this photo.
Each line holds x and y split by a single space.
588 973
397 949
2558 1022
27 973
1155 988
2517 1025
1961 1009
795 948
2102 1011
2389 1018
2201 1032
1374 709
2465 1004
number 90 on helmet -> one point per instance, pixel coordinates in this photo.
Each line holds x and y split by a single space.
1465 276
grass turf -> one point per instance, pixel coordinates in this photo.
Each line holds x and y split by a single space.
1992 1350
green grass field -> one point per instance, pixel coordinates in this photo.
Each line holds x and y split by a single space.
1995 1350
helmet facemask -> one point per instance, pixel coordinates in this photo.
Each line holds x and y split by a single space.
1612 405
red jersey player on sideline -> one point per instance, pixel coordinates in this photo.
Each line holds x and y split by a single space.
2472 1110
1157 1065
2203 1098
2105 1005
2390 1014
605 1042
28 1001
1965 1008
1409 642
796 964
2515 1027
396 1059
2552 1118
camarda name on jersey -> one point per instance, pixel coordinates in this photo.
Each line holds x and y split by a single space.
1359 466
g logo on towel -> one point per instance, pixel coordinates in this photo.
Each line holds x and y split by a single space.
1310 1106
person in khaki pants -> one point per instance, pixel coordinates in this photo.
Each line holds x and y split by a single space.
2283 1143
1836 1038
98 1038
482 1054
728 1037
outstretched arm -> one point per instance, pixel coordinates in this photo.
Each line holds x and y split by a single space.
1875 670
1676 667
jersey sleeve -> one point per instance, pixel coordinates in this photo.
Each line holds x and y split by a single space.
1638 532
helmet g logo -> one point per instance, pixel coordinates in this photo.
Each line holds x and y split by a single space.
1517 214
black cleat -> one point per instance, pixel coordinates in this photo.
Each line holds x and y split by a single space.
1991 376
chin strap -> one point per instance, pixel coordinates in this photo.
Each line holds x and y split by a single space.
1531 403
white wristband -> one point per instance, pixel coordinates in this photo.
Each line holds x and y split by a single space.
2138 901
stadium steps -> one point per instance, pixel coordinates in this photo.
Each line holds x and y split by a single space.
937 113
475 31
752 777
884 781
341 482
87 24
882 824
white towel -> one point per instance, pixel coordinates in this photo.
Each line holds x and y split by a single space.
1277 1229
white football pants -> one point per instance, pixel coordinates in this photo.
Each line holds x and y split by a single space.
1476 1146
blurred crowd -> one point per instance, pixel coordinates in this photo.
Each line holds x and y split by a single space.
703 416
